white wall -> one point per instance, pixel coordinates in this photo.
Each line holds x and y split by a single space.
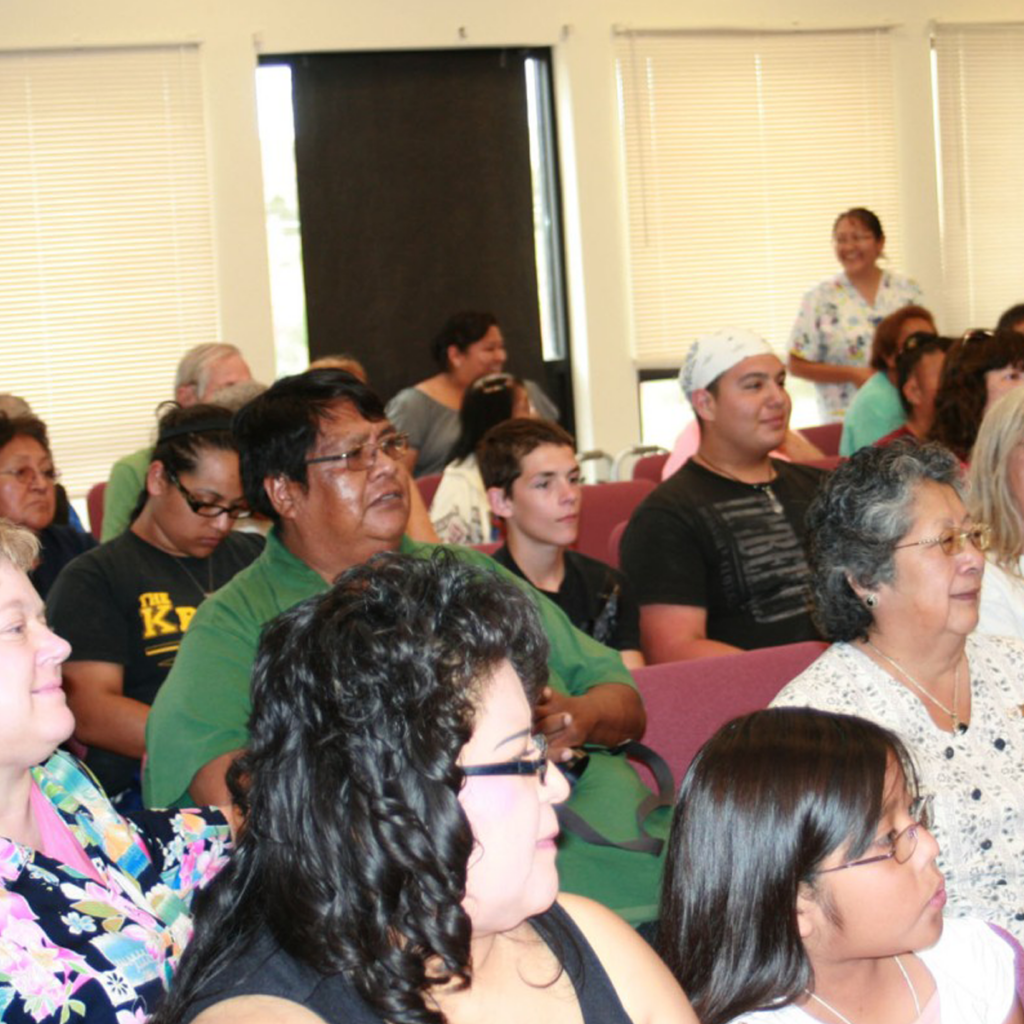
233 32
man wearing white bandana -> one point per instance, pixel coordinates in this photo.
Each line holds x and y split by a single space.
716 552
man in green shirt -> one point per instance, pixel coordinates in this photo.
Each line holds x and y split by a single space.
321 460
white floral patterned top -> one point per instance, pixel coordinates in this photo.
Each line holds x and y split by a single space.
977 777
837 325
75 950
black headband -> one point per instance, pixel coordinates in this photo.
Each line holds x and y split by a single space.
199 427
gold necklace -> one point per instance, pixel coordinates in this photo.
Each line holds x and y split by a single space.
765 488
958 726
846 1020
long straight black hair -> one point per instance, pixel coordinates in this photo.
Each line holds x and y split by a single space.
766 800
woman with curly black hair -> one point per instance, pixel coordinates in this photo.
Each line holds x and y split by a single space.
396 860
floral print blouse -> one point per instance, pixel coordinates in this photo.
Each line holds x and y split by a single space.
73 950
837 325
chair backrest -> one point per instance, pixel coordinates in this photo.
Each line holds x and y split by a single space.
615 542
687 701
94 506
428 486
826 437
650 467
603 507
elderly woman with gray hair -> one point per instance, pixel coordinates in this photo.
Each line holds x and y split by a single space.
896 567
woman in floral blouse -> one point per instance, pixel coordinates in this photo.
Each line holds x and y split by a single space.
94 907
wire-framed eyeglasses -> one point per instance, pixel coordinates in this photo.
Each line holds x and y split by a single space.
901 845
953 541
363 456
26 475
521 766
208 509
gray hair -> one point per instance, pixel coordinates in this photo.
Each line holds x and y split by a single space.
234 396
13 406
18 545
194 367
855 522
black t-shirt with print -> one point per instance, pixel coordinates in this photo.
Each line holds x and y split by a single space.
129 603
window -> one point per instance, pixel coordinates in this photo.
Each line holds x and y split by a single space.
979 79
106 247
740 149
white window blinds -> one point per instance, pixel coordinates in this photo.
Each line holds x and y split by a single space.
106 249
979 82
740 150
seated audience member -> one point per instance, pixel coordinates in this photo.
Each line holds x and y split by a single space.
532 478
470 345
321 460
980 368
12 406
433 892
202 370
918 373
460 511
28 497
95 905
896 565
1012 319
715 553
833 900
996 497
126 605
876 408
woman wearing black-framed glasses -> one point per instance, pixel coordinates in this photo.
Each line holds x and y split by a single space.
126 606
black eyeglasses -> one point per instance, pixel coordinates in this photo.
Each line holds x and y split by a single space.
208 509
903 844
952 542
363 456
522 766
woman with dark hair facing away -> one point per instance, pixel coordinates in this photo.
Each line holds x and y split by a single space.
896 569
126 606
876 409
460 511
423 887
470 345
980 368
28 497
832 335
801 885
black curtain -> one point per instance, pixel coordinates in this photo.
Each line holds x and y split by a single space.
415 201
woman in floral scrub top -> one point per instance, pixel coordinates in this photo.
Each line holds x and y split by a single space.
94 907
831 339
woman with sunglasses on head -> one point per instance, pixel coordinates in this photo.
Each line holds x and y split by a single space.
125 607
28 497
460 511
423 888
802 885
896 570
980 368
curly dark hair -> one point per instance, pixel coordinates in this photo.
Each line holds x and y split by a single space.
859 515
960 402
764 802
362 700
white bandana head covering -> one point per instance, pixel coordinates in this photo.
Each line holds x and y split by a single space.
712 354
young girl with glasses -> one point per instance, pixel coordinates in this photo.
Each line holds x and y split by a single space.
801 885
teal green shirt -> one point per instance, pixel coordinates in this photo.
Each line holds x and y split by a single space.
202 711
876 410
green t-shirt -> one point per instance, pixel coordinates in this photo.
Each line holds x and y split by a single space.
127 478
876 410
202 711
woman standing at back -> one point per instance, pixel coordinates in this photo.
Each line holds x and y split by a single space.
832 336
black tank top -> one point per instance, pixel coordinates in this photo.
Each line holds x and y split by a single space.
267 970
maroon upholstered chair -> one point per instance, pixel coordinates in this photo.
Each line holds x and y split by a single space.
428 486
615 542
603 507
687 701
826 437
650 467
94 506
